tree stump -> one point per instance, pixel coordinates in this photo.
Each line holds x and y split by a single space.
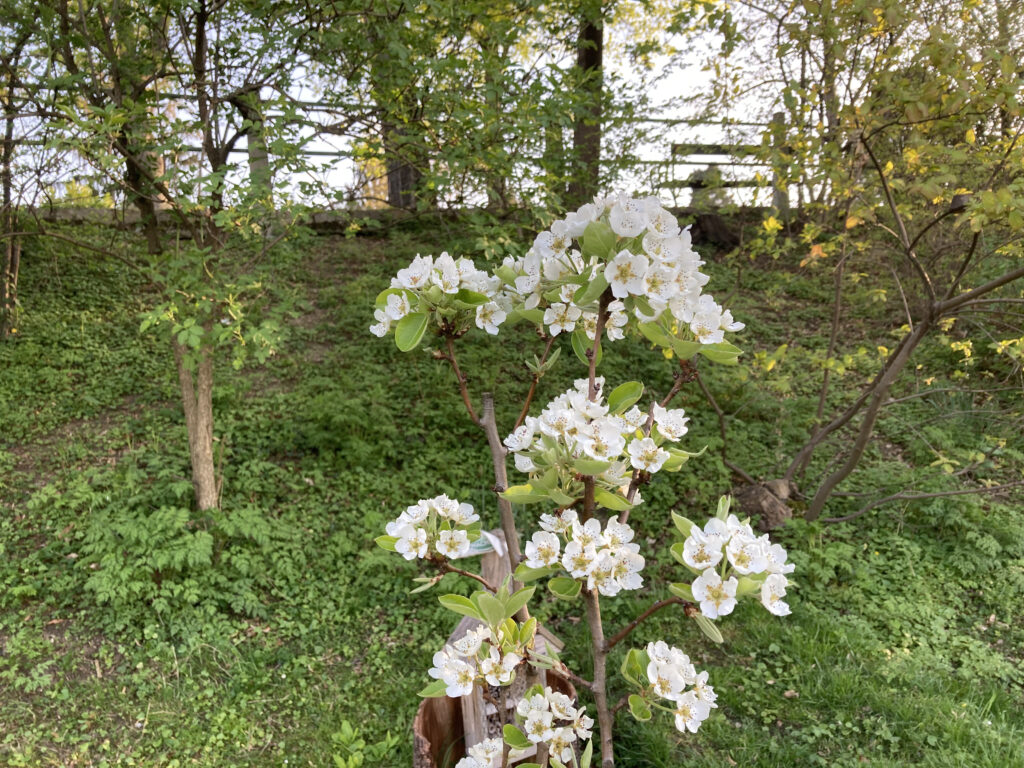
765 502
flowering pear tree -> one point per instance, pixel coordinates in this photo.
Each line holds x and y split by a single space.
616 270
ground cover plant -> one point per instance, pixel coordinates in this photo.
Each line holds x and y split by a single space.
135 630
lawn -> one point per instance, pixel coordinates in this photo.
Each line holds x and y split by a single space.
134 632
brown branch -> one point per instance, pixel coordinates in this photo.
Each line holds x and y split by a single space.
447 567
533 385
461 379
721 429
565 673
904 495
622 633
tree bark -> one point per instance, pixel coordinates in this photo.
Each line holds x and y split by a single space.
197 399
586 178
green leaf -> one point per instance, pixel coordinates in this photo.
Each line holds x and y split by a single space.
748 586
515 738
639 708
685 349
535 316
587 755
491 608
598 240
564 587
610 500
590 466
523 494
682 524
655 333
624 396
724 502
708 628
382 298
386 542
460 604
680 589
677 552
527 631
590 293
471 298
409 331
425 582
518 599
634 666
561 498
433 691
581 345
526 574
723 353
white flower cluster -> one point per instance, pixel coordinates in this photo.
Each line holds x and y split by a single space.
434 526
573 427
486 754
670 672
476 656
551 718
607 561
754 557
429 283
650 267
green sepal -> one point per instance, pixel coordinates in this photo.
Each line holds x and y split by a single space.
611 501
434 691
722 353
708 628
564 587
386 542
677 552
590 466
410 330
581 344
460 604
592 292
515 738
683 590
624 396
425 584
598 240
639 708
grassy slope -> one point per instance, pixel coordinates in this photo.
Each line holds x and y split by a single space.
126 642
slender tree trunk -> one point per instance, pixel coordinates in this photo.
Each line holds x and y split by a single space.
586 179
197 399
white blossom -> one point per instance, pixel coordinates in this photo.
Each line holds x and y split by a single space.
452 544
716 598
489 316
646 455
542 550
690 712
671 423
561 317
772 592
383 324
625 273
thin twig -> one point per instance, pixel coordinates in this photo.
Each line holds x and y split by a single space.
621 634
905 496
461 379
533 385
449 568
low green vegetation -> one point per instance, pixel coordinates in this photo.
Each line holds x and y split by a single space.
135 631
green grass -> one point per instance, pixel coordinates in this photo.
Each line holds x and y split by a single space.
133 633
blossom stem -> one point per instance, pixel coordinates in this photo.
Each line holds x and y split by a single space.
461 379
621 634
533 385
449 568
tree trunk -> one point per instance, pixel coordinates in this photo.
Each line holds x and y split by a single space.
403 175
586 179
197 399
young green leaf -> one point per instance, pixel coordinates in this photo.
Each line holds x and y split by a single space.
683 590
518 599
723 353
435 690
526 574
624 396
682 524
590 292
491 608
386 542
515 738
590 466
581 345
610 500
410 331
639 708
708 628
598 240
564 587
460 604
